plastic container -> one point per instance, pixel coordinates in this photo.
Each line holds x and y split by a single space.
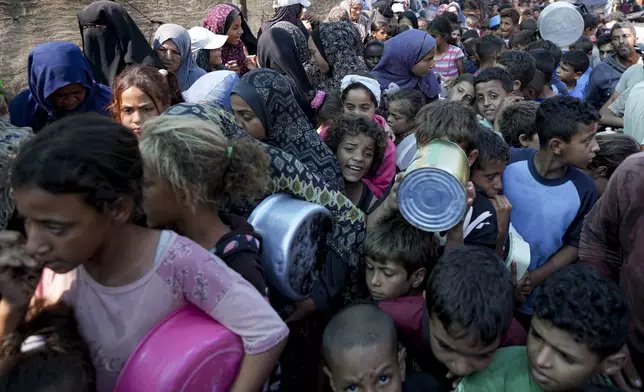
432 194
186 352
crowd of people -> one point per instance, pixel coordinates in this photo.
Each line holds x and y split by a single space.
129 171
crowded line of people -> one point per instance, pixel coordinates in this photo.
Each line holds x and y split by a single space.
131 173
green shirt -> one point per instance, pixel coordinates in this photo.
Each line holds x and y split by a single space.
509 371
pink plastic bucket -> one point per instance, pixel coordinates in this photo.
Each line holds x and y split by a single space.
186 352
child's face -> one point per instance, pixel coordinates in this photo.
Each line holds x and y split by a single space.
425 65
462 92
378 367
355 156
489 96
382 34
557 361
566 73
388 280
456 35
397 119
461 356
136 107
372 56
63 231
507 27
160 203
489 177
582 147
359 102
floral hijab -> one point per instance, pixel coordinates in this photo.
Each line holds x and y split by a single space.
287 128
341 46
218 21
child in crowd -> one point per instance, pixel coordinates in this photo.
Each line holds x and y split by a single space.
448 58
84 190
517 126
529 25
557 85
573 65
509 23
190 173
488 51
520 65
469 35
399 258
359 145
521 39
462 90
142 92
47 353
380 30
471 63
488 221
550 195
576 337
402 107
361 95
329 109
361 353
584 44
492 86
613 149
469 300
373 53
545 63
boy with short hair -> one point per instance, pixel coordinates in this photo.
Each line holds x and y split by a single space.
361 352
517 126
550 195
556 85
545 63
469 304
572 67
509 23
576 336
488 49
520 65
521 39
492 86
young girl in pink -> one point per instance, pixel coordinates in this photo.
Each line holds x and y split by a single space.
361 95
77 185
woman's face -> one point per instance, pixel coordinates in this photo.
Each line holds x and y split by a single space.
170 56
462 92
425 65
358 101
68 98
355 11
235 31
246 118
136 107
317 57
215 57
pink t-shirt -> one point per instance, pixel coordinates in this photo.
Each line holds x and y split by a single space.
446 66
113 320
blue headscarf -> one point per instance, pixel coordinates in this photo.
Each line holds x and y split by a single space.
213 87
50 67
401 53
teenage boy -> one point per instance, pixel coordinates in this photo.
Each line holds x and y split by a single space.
576 336
545 63
488 49
520 65
361 353
605 75
556 85
509 23
516 124
550 195
492 86
521 39
572 67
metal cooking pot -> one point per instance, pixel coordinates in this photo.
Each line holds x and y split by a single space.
294 236
561 23
432 194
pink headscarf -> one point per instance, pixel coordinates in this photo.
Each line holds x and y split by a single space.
216 22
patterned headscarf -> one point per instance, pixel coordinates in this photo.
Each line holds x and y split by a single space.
218 21
286 127
362 24
341 46
299 40
10 140
189 71
291 176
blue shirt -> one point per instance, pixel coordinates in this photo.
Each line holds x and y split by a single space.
582 83
547 213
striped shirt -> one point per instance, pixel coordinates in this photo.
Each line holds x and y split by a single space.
446 65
